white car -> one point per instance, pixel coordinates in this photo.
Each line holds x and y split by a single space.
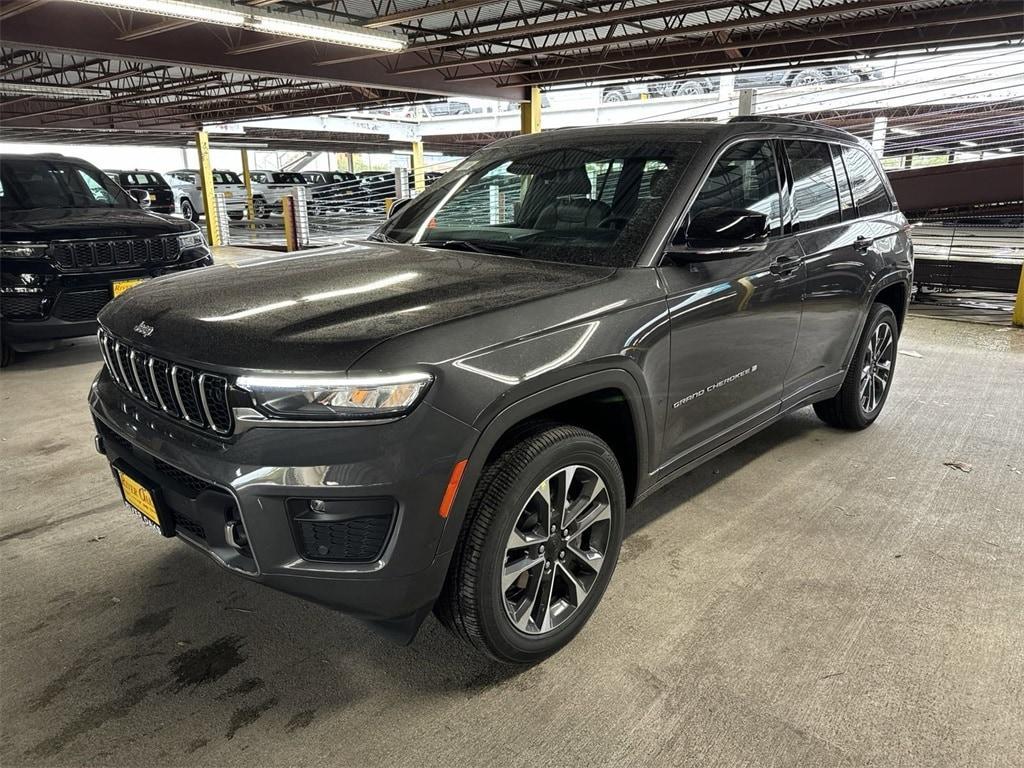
278 185
188 199
230 183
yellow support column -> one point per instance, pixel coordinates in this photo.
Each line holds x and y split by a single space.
418 173
206 183
1018 306
250 208
529 113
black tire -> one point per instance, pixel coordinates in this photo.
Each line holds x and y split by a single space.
847 410
809 77
472 603
260 210
6 355
613 97
188 210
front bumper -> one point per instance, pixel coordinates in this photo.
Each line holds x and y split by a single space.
260 478
67 303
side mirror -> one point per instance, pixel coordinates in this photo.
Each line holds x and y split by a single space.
140 196
720 233
398 205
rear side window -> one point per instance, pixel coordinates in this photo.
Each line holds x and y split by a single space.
744 178
868 187
846 200
815 193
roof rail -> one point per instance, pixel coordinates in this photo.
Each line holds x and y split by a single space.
775 119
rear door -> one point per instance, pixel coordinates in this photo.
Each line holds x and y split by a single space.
839 203
734 320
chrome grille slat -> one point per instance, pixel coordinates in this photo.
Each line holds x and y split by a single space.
199 398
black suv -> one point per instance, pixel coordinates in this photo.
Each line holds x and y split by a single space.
457 413
72 240
158 191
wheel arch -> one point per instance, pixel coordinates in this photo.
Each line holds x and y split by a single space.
609 403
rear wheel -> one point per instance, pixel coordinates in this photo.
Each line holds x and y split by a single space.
540 544
188 210
613 96
867 382
809 77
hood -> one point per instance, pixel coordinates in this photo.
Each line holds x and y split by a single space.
43 224
322 310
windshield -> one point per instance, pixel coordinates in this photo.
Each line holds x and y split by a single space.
32 182
567 202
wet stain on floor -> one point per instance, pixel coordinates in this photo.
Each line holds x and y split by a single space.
634 546
244 716
203 665
300 720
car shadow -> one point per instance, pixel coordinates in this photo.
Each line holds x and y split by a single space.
71 352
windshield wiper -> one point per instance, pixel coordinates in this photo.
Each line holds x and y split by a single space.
479 246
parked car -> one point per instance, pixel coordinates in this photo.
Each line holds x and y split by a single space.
611 94
188 198
161 199
71 240
335 191
277 185
811 75
448 108
457 413
694 86
235 195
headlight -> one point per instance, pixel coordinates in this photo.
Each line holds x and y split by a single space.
337 397
191 240
23 250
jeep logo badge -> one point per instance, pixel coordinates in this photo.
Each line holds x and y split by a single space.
144 328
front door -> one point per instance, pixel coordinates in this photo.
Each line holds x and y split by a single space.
734 320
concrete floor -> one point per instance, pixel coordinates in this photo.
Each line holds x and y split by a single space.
811 598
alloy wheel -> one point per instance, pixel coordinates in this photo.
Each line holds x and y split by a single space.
556 549
876 368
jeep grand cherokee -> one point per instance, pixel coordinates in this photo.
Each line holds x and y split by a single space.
457 413
70 241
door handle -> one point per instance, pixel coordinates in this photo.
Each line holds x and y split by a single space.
862 243
785 265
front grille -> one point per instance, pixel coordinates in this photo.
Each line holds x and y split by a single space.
193 527
184 478
197 397
21 306
98 254
81 305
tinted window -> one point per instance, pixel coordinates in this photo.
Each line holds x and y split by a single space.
744 178
39 183
288 178
868 188
846 201
142 180
226 177
815 194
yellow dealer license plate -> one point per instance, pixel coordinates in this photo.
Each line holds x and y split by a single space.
229 194
120 286
139 498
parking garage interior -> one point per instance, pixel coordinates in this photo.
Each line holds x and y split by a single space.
808 597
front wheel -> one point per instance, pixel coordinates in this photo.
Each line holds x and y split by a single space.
541 540
188 210
867 382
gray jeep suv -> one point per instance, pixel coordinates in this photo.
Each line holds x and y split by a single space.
457 413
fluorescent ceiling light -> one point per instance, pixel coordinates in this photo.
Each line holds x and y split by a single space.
969 143
259 20
192 10
56 91
1002 149
905 131
276 24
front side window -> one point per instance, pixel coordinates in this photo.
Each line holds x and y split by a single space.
815 194
550 200
744 178
868 188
